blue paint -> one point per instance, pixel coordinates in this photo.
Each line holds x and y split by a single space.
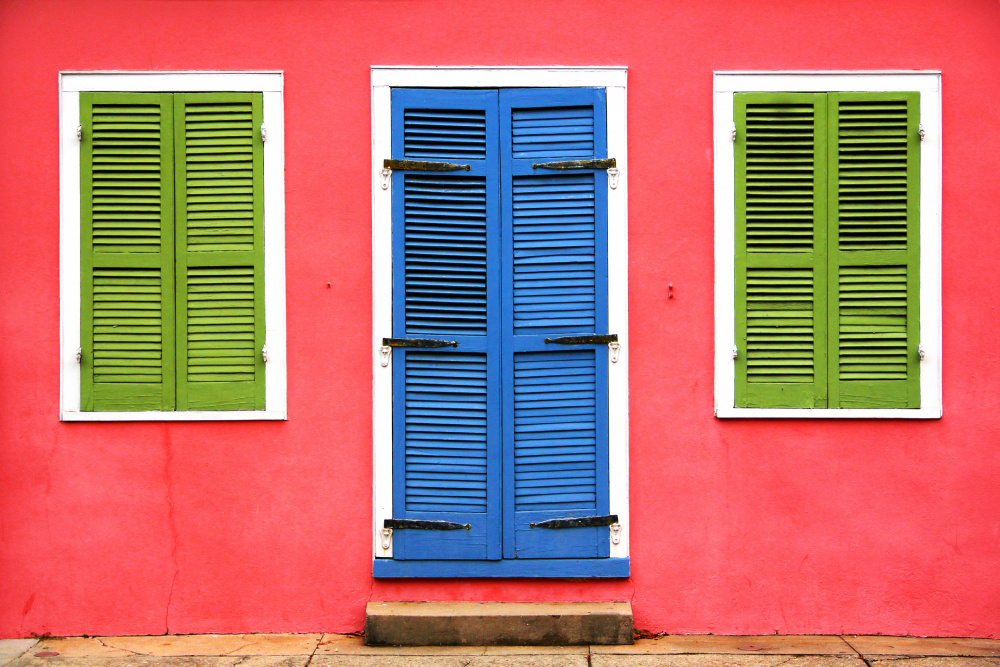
583 568
554 282
446 402
503 430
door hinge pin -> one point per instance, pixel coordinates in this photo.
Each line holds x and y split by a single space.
79 132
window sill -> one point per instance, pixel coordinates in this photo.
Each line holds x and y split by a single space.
826 413
192 415
555 568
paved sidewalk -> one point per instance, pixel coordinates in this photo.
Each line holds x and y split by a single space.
325 650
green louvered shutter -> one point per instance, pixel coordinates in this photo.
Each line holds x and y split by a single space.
781 264
874 250
220 251
127 252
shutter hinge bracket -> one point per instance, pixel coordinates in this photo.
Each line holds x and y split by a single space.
736 352
79 132
616 533
79 355
263 353
386 174
921 352
613 177
732 133
386 534
263 132
615 347
383 354
921 132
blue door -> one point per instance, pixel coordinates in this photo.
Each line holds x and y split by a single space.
495 429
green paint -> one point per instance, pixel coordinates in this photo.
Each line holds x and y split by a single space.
126 252
172 251
861 268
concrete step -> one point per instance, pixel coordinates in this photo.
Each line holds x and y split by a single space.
497 623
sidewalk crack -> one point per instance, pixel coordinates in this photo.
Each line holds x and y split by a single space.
119 648
863 658
319 640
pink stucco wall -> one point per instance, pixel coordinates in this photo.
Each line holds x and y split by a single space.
738 527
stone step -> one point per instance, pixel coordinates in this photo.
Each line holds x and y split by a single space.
497 623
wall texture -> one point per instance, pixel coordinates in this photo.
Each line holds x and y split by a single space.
738 527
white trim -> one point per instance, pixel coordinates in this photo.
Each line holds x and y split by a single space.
270 84
613 79
929 86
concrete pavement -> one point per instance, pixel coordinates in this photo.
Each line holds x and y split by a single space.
328 650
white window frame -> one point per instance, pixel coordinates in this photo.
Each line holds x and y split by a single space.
613 80
270 84
928 84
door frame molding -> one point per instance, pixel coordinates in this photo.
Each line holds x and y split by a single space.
613 80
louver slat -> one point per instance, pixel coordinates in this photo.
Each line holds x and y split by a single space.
874 266
554 253
127 320
219 168
446 417
781 250
555 283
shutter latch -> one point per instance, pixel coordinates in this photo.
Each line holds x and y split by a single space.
263 353
921 352
79 355
79 132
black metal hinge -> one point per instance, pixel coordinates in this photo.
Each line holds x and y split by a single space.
418 165
414 524
418 342
578 522
596 339
576 164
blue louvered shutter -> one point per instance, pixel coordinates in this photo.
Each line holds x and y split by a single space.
446 401
554 231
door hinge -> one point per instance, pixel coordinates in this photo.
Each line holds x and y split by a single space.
613 178
79 132
732 133
263 132
79 355
420 524
736 352
920 132
386 534
577 522
386 173
921 352
263 353
615 347
383 355
616 533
